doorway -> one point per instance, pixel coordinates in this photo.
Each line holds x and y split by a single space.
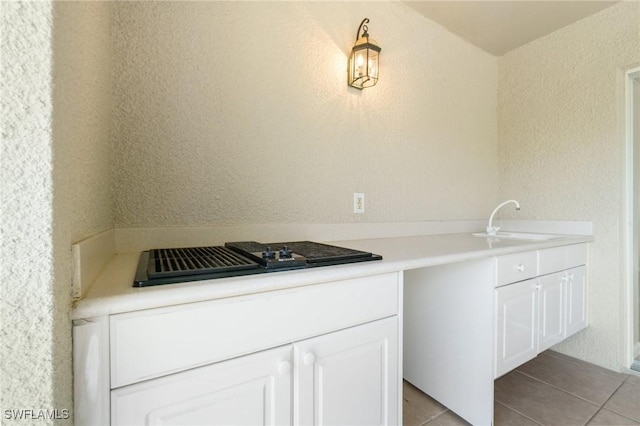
632 130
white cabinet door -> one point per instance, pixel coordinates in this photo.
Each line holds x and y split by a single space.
250 390
552 310
349 377
516 325
576 300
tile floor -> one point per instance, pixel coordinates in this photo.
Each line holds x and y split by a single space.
552 389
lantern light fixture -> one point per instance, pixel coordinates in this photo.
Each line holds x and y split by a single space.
364 59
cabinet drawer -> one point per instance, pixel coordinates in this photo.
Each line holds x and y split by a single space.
516 267
155 342
560 258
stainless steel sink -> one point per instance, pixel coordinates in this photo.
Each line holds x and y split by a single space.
518 236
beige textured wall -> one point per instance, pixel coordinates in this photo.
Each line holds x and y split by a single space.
55 188
212 108
239 112
82 200
560 148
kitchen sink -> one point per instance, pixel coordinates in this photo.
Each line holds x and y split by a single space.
518 236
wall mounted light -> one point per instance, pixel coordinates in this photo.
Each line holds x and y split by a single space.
364 59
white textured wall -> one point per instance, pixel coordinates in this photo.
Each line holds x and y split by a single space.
560 147
55 179
26 266
239 113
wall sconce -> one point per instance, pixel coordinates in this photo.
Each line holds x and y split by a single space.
364 60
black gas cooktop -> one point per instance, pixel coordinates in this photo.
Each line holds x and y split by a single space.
174 265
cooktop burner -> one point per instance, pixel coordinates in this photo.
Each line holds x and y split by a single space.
166 266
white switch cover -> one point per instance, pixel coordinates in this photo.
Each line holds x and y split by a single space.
358 202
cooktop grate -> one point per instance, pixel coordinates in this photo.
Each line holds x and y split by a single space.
195 260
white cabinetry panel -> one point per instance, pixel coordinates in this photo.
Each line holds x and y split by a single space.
552 324
156 342
349 377
91 371
250 390
449 336
560 258
516 325
516 267
576 300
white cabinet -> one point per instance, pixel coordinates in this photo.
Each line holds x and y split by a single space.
467 323
535 314
531 317
348 377
317 354
516 325
563 305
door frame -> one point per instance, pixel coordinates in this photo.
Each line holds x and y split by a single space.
631 226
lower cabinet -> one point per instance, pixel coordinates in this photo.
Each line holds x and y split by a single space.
346 377
516 325
315 354
533 315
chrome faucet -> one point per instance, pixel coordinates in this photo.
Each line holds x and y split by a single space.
492 230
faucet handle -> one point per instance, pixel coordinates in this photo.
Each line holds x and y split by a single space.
492 230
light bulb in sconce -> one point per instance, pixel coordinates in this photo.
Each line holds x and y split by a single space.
359 63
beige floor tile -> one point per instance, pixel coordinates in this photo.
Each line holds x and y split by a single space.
448 418
545 391
626 401
504 416
573 376
633 380
540 402
609 418
418 408
584 364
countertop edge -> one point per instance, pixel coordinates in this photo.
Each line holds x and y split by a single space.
124 298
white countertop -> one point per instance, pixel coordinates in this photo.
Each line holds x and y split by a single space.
112 292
